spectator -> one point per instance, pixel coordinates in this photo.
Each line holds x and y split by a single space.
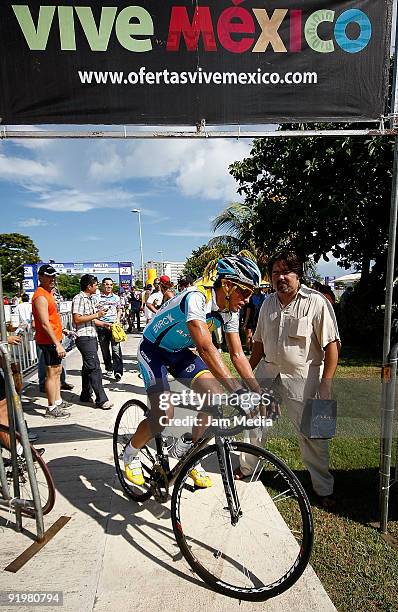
157 298
251 316
48 325
166 287
184 282
326 291
136 308
149 291
253 310
24 312
297 342
41 366
86 320
111 350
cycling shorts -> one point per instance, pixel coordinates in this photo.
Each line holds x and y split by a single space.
155 363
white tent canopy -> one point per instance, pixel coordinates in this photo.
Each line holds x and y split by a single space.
348 278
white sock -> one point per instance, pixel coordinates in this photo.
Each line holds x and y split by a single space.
19 449
51 408
58 402
130 452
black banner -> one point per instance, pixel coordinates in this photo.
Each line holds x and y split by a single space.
177 61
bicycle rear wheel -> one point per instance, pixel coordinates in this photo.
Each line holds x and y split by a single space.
44 479
269 547
130 416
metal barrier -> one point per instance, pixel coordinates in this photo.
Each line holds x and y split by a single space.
25 353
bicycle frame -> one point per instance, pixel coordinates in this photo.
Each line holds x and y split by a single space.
223 449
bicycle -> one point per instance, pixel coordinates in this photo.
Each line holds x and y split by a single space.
232 533
44 479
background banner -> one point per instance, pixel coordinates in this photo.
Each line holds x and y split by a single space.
177 62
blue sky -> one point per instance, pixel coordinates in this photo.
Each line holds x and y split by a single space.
73 197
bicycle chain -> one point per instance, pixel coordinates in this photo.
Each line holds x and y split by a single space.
159 483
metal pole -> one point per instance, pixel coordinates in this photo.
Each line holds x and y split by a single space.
388 401
138 211
161 258
10 412
161 134
389 359
142 251
14 408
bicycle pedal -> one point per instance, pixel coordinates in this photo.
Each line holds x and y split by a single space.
191 488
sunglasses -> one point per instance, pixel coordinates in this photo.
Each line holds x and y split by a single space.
245 292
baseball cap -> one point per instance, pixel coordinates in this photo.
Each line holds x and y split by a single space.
164 280
47 270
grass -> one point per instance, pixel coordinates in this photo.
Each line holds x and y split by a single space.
357 567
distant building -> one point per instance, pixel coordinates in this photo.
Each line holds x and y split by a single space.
173 269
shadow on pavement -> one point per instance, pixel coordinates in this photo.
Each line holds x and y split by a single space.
90 486
69 432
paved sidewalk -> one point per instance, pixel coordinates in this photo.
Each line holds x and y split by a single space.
113 555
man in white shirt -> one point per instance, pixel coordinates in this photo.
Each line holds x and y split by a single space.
296 348
86 319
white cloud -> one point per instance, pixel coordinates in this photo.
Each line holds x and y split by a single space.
19 169
77 176
72 200
198 168
32 222
205 174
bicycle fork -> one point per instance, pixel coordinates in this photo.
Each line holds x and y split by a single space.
224 459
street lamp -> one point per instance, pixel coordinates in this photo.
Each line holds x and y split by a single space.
161 257
138 211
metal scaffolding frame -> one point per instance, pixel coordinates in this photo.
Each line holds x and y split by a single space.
201 131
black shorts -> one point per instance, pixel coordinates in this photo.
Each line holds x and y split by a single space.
154 362
2 387
50 355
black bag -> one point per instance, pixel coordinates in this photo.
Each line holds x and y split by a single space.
319 419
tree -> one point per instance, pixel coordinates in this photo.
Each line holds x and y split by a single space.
68 285
319 196
199 259
15 251
237 220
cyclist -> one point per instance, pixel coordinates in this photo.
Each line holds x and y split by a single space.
182 323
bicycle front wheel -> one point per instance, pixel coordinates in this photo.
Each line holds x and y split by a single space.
44 480
268 549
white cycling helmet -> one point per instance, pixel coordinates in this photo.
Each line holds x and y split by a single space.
239 268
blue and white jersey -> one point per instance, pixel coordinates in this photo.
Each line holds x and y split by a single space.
168 329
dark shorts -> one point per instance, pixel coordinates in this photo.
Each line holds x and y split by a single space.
2 387
155 363
50 355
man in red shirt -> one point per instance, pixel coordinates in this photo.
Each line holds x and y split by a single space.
48 325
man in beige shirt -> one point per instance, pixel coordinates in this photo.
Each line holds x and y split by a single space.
296 347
